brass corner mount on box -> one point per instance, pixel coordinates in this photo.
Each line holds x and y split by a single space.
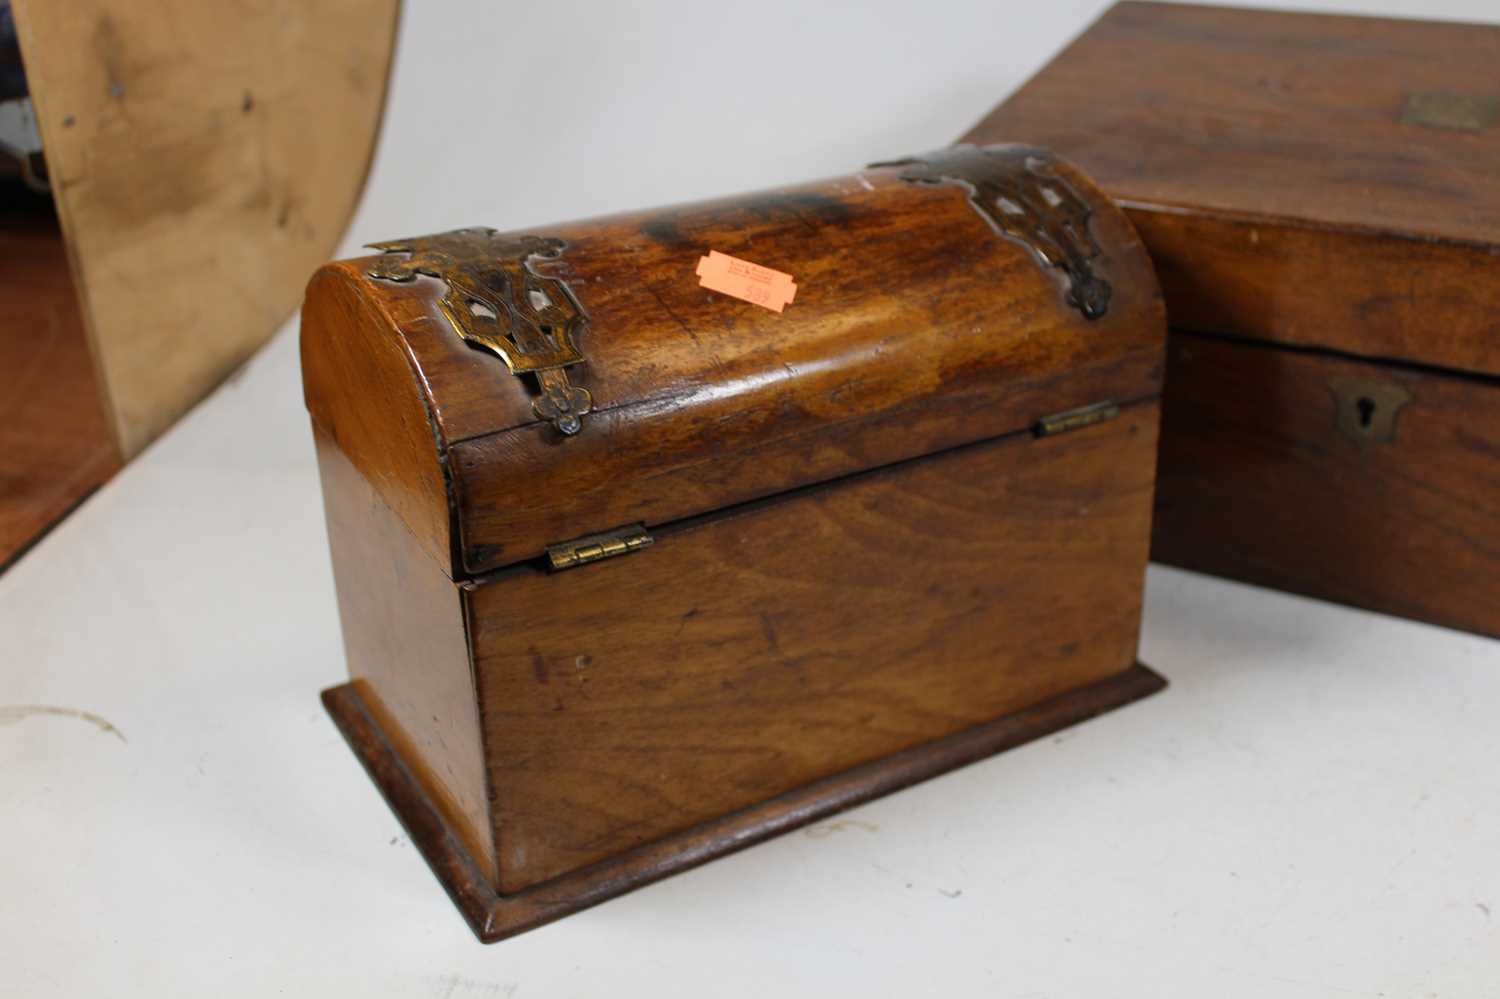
496 300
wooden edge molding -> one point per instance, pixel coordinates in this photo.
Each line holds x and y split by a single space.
494 917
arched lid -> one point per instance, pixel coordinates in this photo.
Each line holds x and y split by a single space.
507 391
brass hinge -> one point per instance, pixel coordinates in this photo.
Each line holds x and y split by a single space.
1075 419
593 547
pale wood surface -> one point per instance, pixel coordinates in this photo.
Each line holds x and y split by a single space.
205 160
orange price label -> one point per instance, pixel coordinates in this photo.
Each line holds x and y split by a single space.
746 281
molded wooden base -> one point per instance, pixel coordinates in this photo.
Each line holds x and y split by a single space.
494 916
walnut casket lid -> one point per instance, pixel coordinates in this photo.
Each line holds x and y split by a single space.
1313 180
576 378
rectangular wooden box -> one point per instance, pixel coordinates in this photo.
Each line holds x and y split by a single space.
816 554
1321 197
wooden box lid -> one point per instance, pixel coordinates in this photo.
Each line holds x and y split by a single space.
920 322
1314 180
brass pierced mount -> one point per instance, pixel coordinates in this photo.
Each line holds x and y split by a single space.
495 300
1019 193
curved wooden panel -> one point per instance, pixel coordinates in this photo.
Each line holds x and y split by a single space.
918 325
204 162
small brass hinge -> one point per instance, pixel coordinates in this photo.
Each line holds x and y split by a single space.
1075 419
593 547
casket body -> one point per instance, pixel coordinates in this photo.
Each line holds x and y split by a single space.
1321 197
633 572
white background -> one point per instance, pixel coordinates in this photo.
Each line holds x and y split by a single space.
1311 810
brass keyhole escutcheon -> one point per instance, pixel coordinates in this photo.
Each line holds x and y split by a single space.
1367 409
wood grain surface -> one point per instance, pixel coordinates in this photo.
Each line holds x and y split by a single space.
916 327
55 443
761 649
1272 113
406 646
204 162
1273 167
494 917
1370 294
363 392
861 547
1295 187
1258 482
